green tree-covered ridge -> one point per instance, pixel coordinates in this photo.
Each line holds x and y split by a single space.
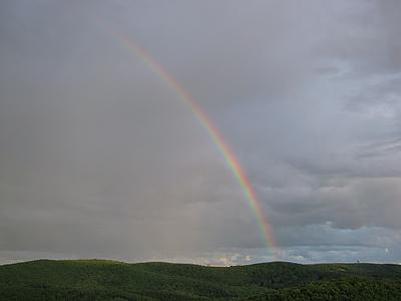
111 280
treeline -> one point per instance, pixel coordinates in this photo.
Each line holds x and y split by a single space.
108 280
337 290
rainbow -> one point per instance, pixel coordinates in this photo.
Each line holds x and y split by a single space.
216 136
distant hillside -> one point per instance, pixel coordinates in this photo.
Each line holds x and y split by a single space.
110 280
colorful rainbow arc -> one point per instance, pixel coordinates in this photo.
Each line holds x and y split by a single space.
217 138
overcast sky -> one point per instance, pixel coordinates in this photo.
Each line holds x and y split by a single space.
100 158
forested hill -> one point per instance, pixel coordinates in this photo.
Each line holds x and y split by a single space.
110 280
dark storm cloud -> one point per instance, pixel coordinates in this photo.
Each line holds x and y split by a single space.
98 157
367 36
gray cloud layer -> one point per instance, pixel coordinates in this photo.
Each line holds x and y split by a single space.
99 158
